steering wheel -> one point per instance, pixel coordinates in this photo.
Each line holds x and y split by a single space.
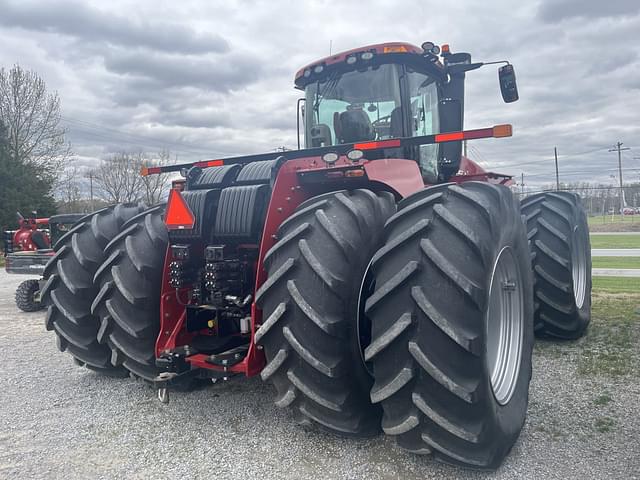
382 122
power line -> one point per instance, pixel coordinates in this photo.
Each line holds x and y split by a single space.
137 139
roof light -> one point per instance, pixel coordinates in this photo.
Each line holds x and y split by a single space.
178 215
307 72
427 46
445 48
351 60
366 56
330 158
355 155
318 69
435 50
395 49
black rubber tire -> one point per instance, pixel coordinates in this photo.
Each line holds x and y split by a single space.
557 228
26 296
128 302
310 305
69 290
429 318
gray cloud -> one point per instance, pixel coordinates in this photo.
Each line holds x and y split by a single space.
79 20
159 70
145 76
557 10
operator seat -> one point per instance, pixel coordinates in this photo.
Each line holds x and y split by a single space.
353 126
395 123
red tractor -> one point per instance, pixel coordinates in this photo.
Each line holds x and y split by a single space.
377 277
28 249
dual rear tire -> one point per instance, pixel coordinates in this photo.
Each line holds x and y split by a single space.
449 332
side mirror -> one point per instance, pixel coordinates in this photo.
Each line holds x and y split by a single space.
450 153
508 86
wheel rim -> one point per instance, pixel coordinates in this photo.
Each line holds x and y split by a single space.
363 323
578 267
505 325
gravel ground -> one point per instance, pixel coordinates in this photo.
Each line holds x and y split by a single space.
61 421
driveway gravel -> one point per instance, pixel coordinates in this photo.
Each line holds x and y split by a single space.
61 421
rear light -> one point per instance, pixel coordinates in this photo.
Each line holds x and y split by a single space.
354 173
500 131
338 174
144 171
178 185
209 163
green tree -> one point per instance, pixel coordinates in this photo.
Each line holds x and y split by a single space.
22 188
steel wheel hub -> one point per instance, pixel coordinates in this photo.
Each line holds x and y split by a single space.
578 268
505 325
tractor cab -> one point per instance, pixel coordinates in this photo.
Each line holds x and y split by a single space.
393 90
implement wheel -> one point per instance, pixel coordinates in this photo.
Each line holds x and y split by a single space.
452 324
561 255
310 305
69 288
26 296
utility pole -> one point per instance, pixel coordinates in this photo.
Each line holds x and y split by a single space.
91 190
555 152
464 144
618 148
522 183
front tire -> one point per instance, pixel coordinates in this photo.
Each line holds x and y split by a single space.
561 256
452 324
26 296
310 305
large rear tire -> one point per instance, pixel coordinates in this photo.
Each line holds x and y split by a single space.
310 305
561 256
26 296
69 290
128 301
452 324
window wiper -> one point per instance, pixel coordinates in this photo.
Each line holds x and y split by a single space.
331 83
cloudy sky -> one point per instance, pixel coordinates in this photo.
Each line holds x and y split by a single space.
206 79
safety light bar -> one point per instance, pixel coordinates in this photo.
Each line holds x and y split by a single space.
497 131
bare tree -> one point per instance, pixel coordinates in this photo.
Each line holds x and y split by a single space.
68 189
156 186
32 119
118 179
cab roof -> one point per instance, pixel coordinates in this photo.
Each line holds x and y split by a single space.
377 49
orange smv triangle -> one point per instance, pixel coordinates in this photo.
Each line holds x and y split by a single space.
179 216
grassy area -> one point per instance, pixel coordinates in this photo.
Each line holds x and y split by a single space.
615 241
611 285
599 220
616 262
610 345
